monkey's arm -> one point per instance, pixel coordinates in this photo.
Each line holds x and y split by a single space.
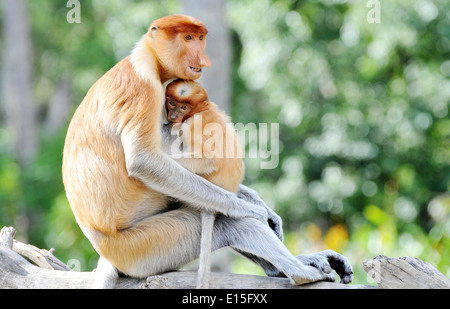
161 173
197 166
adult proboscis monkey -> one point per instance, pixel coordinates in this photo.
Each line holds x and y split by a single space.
117 176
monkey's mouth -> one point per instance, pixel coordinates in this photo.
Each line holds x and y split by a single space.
196 70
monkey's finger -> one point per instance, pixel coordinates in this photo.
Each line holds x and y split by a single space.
341 265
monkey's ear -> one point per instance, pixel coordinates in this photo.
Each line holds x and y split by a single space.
205 104
153 29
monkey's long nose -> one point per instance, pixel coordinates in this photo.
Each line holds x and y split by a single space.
204 61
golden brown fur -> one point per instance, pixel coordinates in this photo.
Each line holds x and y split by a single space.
220 162
122 111
117 175
223 166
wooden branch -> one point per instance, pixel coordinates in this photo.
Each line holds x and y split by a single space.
42 258
18 273
405 273
7 237
188 280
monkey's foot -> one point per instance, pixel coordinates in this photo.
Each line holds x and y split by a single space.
309 274
327 260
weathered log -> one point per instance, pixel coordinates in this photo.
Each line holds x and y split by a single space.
405 273
18 273
42 258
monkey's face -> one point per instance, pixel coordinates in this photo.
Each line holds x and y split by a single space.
194 58
182 55
179 42
176 111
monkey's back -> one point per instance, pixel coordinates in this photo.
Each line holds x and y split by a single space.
230 167
102 195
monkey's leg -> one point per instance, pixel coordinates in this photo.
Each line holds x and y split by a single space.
256 239
269 269
157 244
204 269
169 240
323 261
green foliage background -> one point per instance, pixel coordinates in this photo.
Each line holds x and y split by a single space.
362 108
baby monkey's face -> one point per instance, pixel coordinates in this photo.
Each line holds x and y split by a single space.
176 111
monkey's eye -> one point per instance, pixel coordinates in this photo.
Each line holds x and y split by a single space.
171 103
188 37
201 37
184 107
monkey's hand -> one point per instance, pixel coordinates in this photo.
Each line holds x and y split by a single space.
273 220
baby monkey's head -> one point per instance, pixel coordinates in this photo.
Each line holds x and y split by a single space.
185 98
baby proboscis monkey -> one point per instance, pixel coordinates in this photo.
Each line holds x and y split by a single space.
216 157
